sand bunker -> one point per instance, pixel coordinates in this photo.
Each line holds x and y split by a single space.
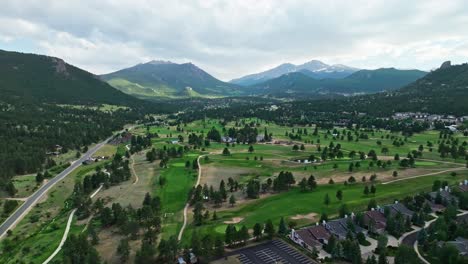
234 220
310 216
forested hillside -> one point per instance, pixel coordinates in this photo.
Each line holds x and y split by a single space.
45 102
299 84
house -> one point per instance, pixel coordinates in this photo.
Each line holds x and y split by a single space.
88 162
303 238
340 227
181 260
445 194
400 208
260 138
375 221
461 244
174 141
452 128
463 186
228 140
193 258
125 137
320 233
311 237
436 208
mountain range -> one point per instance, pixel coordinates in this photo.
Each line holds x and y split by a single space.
362 81
168 79
314 68
442 91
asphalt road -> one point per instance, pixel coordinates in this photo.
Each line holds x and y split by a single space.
34 198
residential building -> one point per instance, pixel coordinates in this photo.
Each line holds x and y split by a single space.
311 237
340 227
375 221
461 244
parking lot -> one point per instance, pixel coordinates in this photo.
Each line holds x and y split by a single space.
272 252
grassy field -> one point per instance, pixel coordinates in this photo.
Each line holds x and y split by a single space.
39 233
46 221
296 203
268 160
174 193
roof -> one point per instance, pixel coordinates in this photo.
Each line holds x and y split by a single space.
307 237
337 228
377 216
401 208
436 207
461 245
319 232
463 188
444 194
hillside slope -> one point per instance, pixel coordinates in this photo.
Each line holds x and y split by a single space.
167 79
443 91
45 102
363 81
48 79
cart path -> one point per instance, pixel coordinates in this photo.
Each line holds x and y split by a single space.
67 230
182 229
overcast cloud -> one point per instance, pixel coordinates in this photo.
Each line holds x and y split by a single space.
233 38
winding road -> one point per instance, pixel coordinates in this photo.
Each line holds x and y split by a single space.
181 232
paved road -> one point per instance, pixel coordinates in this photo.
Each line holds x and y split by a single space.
35 197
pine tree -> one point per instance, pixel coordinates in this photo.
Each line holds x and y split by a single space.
326 200
257 231
303 185
232 200
366 190
269 229
339 195
282 229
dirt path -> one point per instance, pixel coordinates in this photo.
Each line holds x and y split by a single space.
423 175
67 230
182 229
132 167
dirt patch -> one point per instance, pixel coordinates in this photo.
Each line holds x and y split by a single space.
109 240
212 175
382 176
311 216
132 192
234 220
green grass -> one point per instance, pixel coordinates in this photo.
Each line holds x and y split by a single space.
279 157
294 202
25 184
35 241
174 193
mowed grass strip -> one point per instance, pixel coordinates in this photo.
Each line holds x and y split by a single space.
295 202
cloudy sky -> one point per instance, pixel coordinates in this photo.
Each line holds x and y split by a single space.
233 38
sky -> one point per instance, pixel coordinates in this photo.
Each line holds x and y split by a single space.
232 38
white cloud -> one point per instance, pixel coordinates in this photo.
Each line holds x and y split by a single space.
232 38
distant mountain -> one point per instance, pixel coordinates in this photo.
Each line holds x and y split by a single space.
51 80
363 81
167 79
315 69
442 91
